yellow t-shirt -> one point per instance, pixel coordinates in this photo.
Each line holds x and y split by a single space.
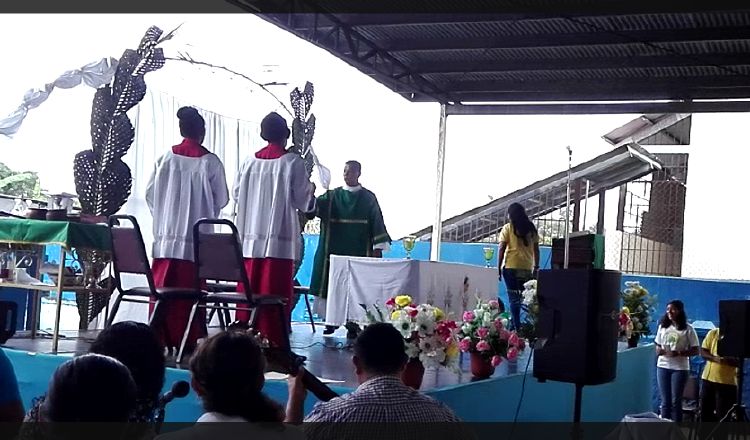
517 255
715 372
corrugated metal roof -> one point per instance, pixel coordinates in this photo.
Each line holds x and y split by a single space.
697 53
610 170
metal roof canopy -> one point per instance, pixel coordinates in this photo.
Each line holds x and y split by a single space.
609 170
499 57
583 57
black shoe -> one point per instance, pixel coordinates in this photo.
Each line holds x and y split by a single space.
298 359
329 329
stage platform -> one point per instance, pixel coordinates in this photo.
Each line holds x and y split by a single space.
329 358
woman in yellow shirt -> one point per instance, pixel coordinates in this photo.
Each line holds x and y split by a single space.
719 388
519 247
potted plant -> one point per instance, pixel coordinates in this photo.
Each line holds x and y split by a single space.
430 339
638 305
483 334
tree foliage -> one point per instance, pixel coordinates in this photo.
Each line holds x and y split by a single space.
24 184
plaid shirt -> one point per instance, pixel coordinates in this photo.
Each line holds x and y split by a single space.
382 399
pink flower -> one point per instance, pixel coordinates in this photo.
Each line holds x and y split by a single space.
504 334
465 344
512 354
499 324
521 344
483 346
483 332
513 339
496 360
412 311
391 302
468 316
494 304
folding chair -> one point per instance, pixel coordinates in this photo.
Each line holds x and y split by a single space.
303 291
218 257
129 256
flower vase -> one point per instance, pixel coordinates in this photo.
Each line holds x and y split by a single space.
633 340
481 367
413 373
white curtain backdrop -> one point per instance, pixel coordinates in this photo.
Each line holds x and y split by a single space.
156 131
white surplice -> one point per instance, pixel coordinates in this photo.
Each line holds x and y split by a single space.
181 191
268 192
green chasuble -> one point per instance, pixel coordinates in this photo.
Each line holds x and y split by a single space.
351 223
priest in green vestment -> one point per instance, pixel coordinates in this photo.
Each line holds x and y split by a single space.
351 223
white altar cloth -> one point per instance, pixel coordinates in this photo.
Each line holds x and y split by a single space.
360 280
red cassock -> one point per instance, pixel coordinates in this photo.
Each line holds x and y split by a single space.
172 272
270 276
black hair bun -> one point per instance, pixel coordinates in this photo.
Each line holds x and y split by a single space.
188 114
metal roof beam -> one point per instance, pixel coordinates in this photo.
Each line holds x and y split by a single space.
570 39
525 65
611 95
645 83
607 108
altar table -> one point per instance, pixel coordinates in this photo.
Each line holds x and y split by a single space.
360 280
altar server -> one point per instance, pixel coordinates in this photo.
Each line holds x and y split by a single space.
188 184
351 223
270 187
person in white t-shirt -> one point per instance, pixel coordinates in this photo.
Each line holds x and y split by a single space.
675 341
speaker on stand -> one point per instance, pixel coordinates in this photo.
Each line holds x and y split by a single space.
577 328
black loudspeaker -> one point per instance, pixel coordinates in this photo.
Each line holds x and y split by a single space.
734 326
577 325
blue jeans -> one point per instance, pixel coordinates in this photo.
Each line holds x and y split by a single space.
514 281
671 387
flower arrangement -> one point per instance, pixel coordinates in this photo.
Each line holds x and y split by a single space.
428 335
483 331
530 305
626 324
640 306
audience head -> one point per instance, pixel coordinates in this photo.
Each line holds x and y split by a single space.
273 128
352 171
379 351
228 374
675 315
90 388
135 345
192 124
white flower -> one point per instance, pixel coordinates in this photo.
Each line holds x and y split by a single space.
487 319
433 358
404 326
466 329
528 296
531 284
412 350
425 324
632 284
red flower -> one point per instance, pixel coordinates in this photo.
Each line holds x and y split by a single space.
391 302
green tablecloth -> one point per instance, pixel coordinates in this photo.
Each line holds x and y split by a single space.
66 234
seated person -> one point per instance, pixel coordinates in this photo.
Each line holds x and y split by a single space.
11 408
379 358
136 346
228 374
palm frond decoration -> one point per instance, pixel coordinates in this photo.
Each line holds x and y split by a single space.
103 181
303 125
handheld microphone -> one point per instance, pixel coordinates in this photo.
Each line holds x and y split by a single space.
179 390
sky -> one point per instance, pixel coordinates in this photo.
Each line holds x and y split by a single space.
357 118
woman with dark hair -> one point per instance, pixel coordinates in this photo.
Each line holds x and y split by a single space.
90 388
228 375
188 184
270 188
135 345
519 249
675 342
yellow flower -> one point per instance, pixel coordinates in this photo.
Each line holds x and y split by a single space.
396 315
626 310
403 300
439 314
451 350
